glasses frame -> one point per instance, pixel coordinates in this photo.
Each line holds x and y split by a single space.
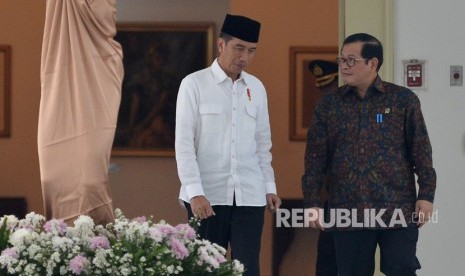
342 60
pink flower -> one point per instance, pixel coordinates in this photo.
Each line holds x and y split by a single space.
77 264
178 248
140 219
220 259
185 231
155 234
55 226
166 229
10 253
99 242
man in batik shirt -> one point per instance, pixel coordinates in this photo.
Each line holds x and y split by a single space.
369 139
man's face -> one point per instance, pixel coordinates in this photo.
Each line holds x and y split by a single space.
362 72
235 55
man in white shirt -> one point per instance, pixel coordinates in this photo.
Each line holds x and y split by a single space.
223 143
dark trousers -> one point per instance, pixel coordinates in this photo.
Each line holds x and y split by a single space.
326 255
326 264
355 251
237 226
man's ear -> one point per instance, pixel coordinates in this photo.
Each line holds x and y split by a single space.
374 63
221 44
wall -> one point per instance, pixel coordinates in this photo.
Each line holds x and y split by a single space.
433 33
373 17
171 11
21 26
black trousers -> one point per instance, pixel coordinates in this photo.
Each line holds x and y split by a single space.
240 227
355 251
326 264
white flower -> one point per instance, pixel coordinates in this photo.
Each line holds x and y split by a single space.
33 250
30 269
118 213
21 237
238 266
170 269
11 221
63 270
127 247
100 258
84 225
32 221
61 243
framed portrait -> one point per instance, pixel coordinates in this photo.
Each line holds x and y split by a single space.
5 86
157 56
304 93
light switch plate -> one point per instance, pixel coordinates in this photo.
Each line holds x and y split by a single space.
456 75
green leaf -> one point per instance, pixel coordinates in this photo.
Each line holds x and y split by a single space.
4 235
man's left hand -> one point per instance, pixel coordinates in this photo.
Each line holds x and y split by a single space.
273 202
424 211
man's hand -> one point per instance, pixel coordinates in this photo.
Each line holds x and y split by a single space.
424 211
315 221
201 207
273 202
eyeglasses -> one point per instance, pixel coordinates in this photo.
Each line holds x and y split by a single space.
349 61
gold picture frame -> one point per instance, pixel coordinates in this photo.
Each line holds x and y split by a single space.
5 86
304 94
157 56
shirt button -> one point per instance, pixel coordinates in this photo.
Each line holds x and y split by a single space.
362 150
233 140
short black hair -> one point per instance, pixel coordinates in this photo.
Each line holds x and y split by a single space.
226 37
372 47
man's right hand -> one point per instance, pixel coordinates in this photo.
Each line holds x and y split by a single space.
315 221
201 207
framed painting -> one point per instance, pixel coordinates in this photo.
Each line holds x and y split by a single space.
304 93
5 86
157 56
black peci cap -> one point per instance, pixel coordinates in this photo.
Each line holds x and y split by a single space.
241 27
324 71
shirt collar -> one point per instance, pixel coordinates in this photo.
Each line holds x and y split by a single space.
221 76
377 85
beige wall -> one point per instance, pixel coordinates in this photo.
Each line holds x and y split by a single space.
149 186
21 23
376 18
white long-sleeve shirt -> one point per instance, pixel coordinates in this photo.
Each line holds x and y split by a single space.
223 138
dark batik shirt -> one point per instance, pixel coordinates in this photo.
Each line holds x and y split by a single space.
369 150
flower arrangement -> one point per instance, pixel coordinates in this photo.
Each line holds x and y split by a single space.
33 246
